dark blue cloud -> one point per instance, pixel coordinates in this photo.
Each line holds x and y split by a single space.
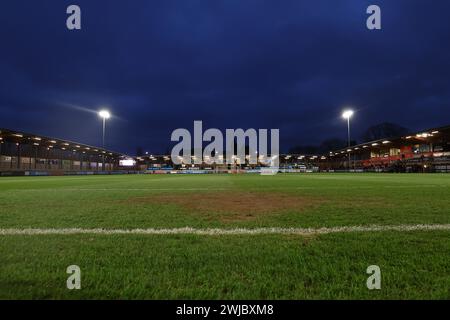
159 65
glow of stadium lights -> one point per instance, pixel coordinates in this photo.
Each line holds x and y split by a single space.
35 144
18 135
386 142
408 137
104 114
37 138
347 114
423 135
434 132
52 141
374 144
365 147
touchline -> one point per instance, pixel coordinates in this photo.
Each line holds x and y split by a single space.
235 146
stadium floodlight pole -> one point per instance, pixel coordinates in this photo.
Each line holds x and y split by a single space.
104 114
347 114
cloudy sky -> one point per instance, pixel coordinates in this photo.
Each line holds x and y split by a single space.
159 65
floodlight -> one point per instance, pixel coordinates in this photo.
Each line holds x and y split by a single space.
104 114
347 114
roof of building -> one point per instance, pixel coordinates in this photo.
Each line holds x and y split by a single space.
40 140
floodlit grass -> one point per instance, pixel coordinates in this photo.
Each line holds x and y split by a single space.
414 264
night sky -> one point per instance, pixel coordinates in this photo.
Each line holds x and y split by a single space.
160 65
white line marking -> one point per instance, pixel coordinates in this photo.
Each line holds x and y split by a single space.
230 189
236 231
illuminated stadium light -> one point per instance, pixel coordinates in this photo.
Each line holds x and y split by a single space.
18 135
35 144
37 138
365 147
104 114
408 137
374 144
52 141
347 114
423 135
348 150
386 142
435 132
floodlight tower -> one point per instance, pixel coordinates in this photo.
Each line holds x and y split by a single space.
347 114
104 114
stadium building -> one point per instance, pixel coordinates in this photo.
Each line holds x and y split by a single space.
29 154
425 151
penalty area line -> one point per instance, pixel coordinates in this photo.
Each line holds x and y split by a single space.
235 231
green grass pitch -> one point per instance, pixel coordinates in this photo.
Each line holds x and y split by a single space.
414 264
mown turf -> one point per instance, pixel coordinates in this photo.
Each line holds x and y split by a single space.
414 264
